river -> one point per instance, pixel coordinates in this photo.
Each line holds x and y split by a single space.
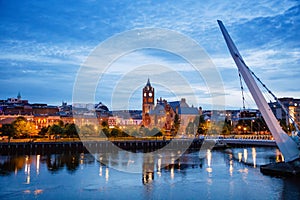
210 174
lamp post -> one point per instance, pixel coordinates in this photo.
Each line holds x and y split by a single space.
245 129
252 126
239 129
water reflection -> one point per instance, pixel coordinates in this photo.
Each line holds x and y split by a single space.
58 162
38 157
245 155
208 156
106 174
100 170
9 164
232 167
240 155
254 157
279 156
35 192
53 162
148 168
27 169
151 164
159 166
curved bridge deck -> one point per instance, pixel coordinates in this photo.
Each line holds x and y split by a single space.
254 142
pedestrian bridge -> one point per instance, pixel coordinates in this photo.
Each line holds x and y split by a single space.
233 140
242 141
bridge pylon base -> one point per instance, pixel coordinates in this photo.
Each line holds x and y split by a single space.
282 169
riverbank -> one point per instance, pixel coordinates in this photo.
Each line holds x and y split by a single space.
47 140
93 146
98 145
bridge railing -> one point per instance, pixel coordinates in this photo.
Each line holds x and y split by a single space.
241 137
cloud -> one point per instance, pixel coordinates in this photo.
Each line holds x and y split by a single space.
43 43
43 53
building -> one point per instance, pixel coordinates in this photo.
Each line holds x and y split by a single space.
125 118
163 114
148 103
291 105
43 115
65 109
17 106
187 114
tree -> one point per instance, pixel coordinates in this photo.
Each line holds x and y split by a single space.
202 130
227 127
176 123
135 133
61 123
87 130
190 128
71 130
19 126
116 132
55 130
104 124
154 132
7 130
44 131
202 125
144 131
23 127
105 131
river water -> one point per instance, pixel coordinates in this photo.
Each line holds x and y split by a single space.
217 174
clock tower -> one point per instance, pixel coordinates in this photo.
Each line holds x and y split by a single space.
148 102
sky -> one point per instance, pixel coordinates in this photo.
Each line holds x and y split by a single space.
45 45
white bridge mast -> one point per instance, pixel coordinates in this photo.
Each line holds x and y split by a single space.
287 146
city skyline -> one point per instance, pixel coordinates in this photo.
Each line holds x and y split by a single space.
44 44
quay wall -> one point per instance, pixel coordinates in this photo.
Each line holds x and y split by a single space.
105 146
92 146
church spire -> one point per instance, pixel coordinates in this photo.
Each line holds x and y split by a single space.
19 96
148 83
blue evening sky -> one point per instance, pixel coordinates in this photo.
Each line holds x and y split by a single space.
44 43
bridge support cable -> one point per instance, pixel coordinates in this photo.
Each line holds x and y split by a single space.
242 89
287 145
276 99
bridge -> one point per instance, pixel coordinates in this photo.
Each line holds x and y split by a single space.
288 147
240 140
247 142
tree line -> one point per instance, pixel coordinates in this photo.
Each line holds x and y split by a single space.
23 128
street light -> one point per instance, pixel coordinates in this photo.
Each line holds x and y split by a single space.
239 129
245 129
252 126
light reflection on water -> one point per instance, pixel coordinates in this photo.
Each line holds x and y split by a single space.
227 174
254 156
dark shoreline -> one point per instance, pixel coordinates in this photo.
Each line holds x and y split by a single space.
15 148
98 146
